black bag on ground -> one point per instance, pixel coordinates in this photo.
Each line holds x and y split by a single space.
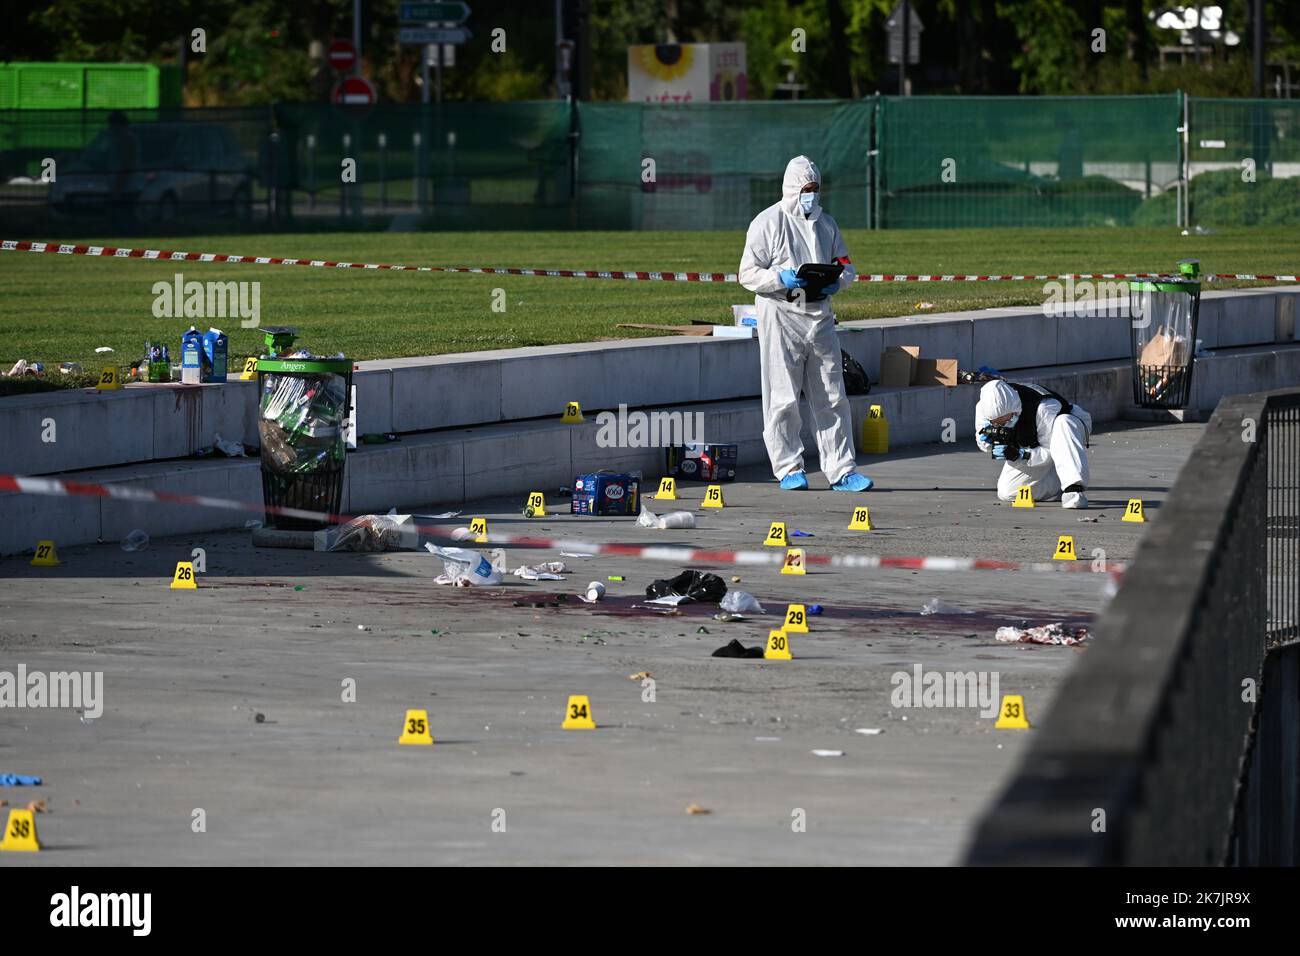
855 376
737 649
696 585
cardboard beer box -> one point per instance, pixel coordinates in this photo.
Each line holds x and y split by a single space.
605 493
192 357
214 354
698 461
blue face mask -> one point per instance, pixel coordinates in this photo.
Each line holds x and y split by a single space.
807 200
1011 423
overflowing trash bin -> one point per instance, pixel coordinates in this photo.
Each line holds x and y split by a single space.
302 415
1163 331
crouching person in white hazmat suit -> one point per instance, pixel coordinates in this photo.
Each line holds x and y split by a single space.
798 347
1041 437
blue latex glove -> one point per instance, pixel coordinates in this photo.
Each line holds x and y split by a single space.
1000 452
831 289
1008 453
18 780
790 280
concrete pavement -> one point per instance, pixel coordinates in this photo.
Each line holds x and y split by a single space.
323 781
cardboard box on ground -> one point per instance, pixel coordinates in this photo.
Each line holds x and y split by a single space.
902 366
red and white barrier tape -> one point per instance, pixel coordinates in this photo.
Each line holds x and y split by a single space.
683 556
168 255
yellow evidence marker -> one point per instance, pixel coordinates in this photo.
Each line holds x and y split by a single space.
778 647
109 379
796 619
1011 715
536 506
183 579
776 535
1133 511
577 714
1024 497
416 728
46 556
875 432
713 497
572 414
478 528
250 369
667 489
20 832
861 520
1065 549
794 563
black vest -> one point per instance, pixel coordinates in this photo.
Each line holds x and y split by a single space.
1026 430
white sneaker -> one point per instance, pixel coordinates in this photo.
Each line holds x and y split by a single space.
1074 499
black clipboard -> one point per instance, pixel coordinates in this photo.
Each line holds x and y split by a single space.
817 275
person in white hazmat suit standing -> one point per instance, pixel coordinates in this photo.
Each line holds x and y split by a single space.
1040 436
798 347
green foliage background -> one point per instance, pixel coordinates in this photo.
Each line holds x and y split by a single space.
262 50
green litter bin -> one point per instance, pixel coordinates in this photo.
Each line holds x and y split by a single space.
1163 332
302 414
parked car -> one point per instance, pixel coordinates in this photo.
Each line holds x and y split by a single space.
179 167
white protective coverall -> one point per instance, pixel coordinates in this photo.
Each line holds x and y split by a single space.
798 347
1061 458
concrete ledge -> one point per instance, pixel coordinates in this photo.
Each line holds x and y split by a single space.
453 466
148 423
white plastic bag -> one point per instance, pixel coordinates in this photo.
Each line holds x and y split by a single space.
231 449
674 519
741 602
388 532
935 606
465 568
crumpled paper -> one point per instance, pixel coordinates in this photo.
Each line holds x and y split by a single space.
1044 634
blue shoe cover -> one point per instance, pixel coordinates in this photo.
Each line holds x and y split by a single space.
853 482
795 482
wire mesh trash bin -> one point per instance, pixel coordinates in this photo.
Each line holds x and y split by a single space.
1163 331
302 411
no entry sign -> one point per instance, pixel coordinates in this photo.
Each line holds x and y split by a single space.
354 91
342 55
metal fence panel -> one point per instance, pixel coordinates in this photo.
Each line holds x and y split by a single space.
715 165
954 161
1243 161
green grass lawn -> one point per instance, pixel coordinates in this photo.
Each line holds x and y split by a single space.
60 308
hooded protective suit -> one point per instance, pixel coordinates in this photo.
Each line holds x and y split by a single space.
797 344
1056 442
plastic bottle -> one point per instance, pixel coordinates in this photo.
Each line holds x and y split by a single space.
137 540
